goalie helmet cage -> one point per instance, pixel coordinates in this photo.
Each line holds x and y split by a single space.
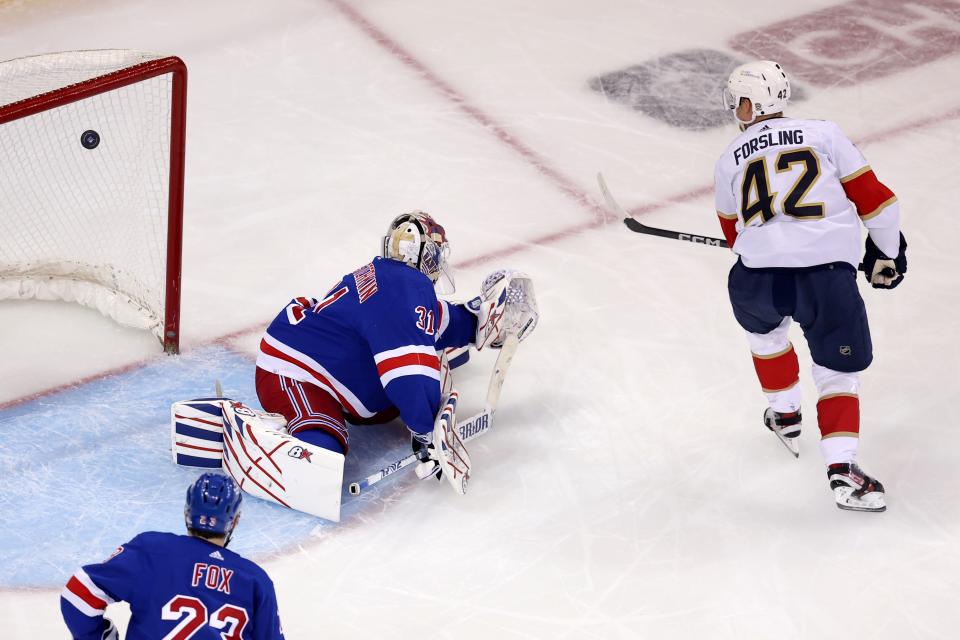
91 183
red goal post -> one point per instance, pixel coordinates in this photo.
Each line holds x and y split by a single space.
92 182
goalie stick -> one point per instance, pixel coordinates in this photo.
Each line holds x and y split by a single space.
635 225
468 429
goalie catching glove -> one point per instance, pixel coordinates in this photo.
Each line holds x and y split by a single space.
506 304
110 633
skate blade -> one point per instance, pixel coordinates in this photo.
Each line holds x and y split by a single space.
791 444
871 502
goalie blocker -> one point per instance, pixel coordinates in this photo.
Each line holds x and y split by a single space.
251 446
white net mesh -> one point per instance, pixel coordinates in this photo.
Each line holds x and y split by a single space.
27 77
81 221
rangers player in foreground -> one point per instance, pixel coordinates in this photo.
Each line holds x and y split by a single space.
179 586
791 196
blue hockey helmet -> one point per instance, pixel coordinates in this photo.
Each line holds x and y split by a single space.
213 503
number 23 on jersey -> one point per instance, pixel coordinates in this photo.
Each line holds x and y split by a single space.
192 614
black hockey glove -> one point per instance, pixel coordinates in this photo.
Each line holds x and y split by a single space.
883 272
427 465
110 633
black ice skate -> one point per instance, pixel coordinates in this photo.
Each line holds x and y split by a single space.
855 490
786 426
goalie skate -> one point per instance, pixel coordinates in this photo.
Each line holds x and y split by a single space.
786 426
854 490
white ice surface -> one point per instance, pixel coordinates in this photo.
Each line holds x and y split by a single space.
628 490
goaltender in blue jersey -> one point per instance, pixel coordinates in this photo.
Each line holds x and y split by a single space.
368 351
179 586
373 349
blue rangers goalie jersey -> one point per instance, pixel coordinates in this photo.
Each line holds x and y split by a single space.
178 586
371 342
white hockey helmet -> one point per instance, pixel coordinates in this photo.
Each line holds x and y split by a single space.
764 83
417 240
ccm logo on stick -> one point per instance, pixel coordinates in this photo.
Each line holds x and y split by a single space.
699 239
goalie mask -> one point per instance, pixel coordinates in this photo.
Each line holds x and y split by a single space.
417 240
764 83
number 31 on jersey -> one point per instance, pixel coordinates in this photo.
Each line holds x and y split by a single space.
425 322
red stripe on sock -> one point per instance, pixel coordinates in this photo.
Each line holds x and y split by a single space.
779 372
838 414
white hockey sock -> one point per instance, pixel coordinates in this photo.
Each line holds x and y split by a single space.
839 449
786 401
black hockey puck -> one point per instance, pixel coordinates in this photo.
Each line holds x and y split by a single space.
90 139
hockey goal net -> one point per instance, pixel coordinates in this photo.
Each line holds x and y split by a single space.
91 183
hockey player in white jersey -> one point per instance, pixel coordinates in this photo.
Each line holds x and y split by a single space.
791 196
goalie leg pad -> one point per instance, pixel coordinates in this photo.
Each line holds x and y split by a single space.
197 432
457 356
273 465
448 447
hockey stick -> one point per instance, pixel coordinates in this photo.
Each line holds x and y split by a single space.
635 225
470 428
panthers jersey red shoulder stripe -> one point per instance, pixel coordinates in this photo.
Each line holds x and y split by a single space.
728 224
869 194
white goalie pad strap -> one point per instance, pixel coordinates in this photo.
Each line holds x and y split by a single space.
448 446
196 430
446 377
270 464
